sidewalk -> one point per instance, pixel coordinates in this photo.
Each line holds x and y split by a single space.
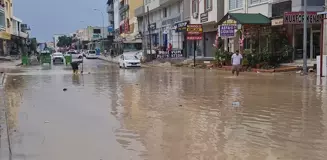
4 145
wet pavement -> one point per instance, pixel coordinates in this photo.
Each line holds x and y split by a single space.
164 114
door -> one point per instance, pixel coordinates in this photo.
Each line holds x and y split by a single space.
316 44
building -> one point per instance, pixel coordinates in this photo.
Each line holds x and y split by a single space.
128 25
283 15
207 13
159 19
19 36
5 25
111 20
116 18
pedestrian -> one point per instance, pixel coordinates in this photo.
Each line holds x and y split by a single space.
170 48
236 62
75 66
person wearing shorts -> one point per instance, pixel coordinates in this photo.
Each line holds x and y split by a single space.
236 62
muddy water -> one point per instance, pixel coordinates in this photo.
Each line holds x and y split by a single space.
161 114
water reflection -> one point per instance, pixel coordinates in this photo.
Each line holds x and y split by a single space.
176 114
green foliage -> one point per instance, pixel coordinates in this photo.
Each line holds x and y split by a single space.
64 41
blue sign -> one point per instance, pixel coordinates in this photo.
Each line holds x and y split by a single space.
227 30
110 29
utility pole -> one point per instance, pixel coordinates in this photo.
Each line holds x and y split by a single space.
305 30
143 35
149 30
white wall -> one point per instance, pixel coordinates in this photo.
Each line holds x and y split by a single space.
116 14
152 4
212 15
263 8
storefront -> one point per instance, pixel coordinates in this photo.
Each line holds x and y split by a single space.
4 43
295 21
209 36
244 31
180 29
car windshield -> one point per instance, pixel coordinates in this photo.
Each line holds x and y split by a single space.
132 47
57 54
72 53
130 58
92 52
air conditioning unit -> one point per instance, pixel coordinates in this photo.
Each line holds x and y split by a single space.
195 15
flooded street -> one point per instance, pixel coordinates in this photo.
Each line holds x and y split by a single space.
164 114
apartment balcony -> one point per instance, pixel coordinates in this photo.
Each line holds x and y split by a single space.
23 35
2 8
139 11
167 2
110 8
123 8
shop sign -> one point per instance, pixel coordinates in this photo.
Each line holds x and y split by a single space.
5 35
174 54
194 31
298 18
152 26
181 26
227 28
277 22
204 17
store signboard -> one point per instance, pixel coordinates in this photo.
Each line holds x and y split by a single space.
227 28
298 18
194 32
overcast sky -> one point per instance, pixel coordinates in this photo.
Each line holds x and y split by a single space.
48 17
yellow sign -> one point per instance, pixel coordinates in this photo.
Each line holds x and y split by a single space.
277 22
5 35
229 22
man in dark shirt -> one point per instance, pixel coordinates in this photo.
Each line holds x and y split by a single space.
75 66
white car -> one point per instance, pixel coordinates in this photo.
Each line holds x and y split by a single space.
58 58
129 60
75 54
91 54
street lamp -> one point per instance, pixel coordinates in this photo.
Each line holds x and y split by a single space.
102 26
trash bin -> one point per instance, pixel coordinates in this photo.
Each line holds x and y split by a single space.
45 58
25 59
68 59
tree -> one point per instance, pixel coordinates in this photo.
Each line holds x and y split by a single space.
64 41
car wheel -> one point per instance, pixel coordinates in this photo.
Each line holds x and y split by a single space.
80 57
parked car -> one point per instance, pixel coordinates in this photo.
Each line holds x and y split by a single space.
91 54
58 58
129 60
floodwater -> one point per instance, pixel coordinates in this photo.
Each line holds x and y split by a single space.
165 114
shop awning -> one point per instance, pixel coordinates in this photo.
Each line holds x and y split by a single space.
246 18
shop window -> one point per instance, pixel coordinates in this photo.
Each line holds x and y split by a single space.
235 4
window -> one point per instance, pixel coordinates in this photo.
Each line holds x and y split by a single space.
195 6
164 12
207 5
234 4
252 2
8 23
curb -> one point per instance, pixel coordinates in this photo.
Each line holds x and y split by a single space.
104 59
5 148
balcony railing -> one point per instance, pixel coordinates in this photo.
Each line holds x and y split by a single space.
139 11
123 8
165 2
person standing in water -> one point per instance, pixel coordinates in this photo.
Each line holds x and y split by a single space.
236 62
75 66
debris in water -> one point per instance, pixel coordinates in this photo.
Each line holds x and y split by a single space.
180 105
236 104
65 89
298 71
46 122
89 73
14 79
